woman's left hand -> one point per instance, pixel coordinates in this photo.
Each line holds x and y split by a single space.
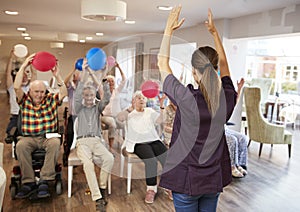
172 23
162 99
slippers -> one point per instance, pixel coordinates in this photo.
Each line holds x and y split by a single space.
236 173
25 191
243 171
43 190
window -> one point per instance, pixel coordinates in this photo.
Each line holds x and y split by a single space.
277 59
180 61
126 59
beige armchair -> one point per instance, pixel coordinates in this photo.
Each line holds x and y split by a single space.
260 130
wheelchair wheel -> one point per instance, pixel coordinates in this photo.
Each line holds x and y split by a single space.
58 187
13 191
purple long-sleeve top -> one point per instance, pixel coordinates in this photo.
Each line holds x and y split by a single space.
198 159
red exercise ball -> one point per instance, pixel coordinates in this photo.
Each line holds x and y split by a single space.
150 89
43 61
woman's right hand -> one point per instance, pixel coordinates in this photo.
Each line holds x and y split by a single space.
28 60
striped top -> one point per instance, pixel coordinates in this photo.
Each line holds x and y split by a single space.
41 119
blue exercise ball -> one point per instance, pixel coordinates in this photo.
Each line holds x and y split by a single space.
78 64
96 58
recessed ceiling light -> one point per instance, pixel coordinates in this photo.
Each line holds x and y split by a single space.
27 38
24 34
21 29
89 38
129 22
164 8
99 33
82 41
8 12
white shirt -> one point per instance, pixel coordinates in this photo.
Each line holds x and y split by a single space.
141 128
114 105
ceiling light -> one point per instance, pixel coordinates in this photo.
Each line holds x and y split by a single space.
99 33
27 38
24 34
164 8
21 29
129 22
103 10
82 41
56 45
11 12
67 37
89 38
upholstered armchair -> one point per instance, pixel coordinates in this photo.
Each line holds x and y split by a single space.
265 85
260 130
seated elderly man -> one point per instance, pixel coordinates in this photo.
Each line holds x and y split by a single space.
89 139
39 117
29 76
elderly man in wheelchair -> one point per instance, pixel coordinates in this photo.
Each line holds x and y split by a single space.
38 125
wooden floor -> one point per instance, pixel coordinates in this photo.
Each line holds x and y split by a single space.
271 185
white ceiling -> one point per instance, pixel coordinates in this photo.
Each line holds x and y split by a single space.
44 19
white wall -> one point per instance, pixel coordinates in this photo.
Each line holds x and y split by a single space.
275 22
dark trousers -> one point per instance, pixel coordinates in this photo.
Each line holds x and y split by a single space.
68 139
150 153
70 131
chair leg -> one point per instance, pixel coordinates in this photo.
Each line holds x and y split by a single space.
109 184
70 178
289 149
13 149
260 148
122 165
249 143
129 169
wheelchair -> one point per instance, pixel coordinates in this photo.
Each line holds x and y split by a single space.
38 157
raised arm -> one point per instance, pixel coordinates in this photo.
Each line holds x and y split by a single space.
121 72
9 80
223 65
123 81
161 99
164 52
62 86
69 76
19 76
240 85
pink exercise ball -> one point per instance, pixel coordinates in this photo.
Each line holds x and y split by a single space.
150 89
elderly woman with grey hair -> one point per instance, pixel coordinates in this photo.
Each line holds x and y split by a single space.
142 138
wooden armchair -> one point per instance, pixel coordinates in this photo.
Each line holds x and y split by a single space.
260 130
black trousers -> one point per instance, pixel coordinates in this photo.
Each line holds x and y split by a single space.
151 153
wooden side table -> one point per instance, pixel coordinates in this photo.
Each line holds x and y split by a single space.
271 103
